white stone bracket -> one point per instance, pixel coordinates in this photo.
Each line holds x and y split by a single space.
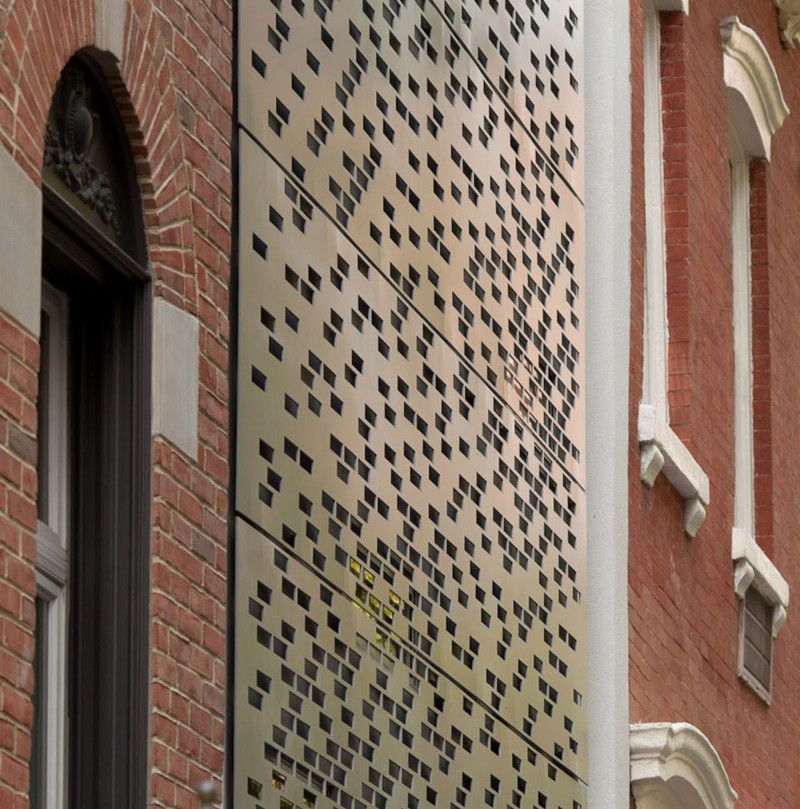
752 567
663 451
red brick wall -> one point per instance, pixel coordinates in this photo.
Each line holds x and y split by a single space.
683 611
173 87
762 351
19 363
676 218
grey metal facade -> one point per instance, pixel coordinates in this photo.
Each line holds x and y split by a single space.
410 534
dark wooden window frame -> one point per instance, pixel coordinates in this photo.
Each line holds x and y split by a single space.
109 631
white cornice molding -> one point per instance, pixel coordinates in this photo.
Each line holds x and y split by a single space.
674 766
754 567
757 105
789 21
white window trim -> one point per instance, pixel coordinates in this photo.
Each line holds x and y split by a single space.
744 500
656 338
54 776
752 567
675 766
52 565
756 110
661 449
56 519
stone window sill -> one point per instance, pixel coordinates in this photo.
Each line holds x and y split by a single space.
663 451
754 567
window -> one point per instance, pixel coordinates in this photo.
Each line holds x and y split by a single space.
742 333
755 642
756 110
655 355
52 558
90 704
661 449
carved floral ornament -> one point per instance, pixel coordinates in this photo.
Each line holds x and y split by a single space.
69 142
789 22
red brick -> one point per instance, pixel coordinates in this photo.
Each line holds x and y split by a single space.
13 773
176 170
683 613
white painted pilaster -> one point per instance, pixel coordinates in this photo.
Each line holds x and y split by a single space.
608 268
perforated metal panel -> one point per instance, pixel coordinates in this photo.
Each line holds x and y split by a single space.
410 552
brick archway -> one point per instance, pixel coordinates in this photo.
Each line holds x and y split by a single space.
32 55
